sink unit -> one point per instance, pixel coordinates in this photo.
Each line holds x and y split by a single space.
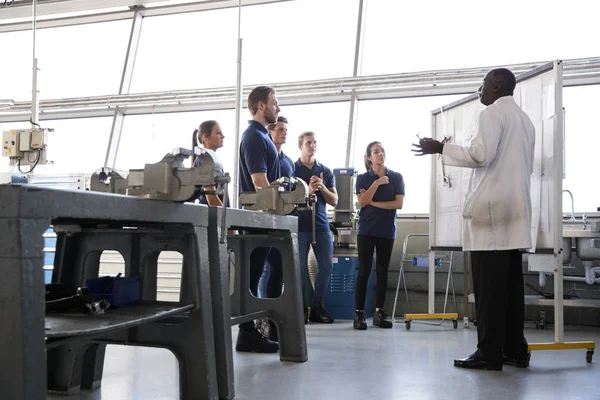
588 249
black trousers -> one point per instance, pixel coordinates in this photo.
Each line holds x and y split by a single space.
367 245
499 303
258 257
275 278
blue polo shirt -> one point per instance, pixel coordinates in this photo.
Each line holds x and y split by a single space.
202 198
305 217
257 154
374 221
287 166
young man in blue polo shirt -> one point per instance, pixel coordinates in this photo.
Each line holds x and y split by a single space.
258 166
271 280
320 181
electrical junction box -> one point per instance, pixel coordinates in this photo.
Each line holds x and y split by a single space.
24 139
38 139
10 144
26 146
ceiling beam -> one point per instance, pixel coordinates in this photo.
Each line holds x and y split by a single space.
576 72
105 14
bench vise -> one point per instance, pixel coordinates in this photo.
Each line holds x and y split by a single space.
167 179
277 198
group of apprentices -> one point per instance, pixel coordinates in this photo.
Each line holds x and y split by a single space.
496 221
380 192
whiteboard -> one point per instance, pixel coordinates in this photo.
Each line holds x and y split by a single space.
539 93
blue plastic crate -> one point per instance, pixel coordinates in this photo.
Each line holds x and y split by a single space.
423 262
124 291
339 299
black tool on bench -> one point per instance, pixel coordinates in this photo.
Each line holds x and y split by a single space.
61 298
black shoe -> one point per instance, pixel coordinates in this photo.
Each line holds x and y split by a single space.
477 361
305 315
317 314
519 362
359 321
382 320
253 341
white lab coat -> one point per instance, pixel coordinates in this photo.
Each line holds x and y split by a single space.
497 209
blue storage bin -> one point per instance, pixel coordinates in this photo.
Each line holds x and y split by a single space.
339 299
423 262
124 291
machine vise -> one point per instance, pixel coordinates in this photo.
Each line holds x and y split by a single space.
166 179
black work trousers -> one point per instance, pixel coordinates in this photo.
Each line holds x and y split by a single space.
499 303
367 245
258 257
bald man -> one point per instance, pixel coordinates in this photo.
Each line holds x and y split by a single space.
497 219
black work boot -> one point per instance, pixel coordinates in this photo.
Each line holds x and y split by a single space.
317 314
382 320
519 362
253 341
359 321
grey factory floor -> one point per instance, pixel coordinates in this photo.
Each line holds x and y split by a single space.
373 364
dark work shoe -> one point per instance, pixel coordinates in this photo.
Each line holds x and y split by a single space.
519 362
359 321
253 341
477 361
317 314
382 320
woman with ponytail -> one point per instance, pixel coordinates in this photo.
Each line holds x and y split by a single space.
380 192
211 137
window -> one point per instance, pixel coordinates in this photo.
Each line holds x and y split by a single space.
15 76
147 138
328 121
438 34
187 51
395 123
82 60
298 40
75 146
582 141
73 61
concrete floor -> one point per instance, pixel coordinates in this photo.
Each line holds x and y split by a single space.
373 364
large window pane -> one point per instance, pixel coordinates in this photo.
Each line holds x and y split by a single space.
75 146
147 138
82 60
73 61
187 51
15 78
405 36
328 121
395 123
199 50
299 40
582 141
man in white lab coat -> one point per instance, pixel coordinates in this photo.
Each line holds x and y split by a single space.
497 219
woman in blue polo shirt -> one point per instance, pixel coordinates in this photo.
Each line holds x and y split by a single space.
380 192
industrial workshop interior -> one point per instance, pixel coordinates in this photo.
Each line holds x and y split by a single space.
299 199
